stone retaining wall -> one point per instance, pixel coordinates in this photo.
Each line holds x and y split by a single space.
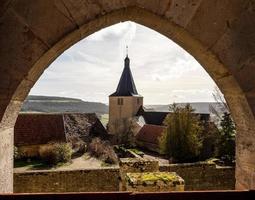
197 176
203 176
93 180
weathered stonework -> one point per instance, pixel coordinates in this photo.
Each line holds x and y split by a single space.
88 180
120 115
138 165
219 34
154 182
197 176
203 176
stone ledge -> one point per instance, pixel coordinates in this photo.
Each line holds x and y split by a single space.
154 182
138 165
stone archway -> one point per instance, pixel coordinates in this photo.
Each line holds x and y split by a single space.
203 28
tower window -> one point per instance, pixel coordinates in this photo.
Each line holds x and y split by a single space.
138 101
120 101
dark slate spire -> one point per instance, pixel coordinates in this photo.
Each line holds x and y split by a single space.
126 86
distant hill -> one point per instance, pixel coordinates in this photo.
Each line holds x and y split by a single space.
200 107
48 104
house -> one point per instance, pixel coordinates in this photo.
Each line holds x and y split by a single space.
148 137
126 106
32 131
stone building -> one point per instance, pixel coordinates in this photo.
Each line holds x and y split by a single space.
33 131
124 103
152 126
127 114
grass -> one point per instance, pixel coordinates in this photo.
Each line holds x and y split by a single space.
159 176
136 151
152 176
31 164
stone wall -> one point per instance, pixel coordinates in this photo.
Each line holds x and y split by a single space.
203 176
89 180
197 176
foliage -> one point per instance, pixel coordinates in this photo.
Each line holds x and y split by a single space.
128 138
17 153
103 150
136 151
209 138
77 144
226 139
56 153
221 106
226 143
181 140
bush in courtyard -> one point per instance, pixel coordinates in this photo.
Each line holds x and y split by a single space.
209 138
181 140
78 145
17 153
56 153
102 150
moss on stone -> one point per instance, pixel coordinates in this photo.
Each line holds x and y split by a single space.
152 177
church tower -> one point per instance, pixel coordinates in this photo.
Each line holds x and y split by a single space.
124 103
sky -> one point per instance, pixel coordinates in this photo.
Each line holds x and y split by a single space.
90 70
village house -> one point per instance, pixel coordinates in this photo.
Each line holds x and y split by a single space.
126 109
34 131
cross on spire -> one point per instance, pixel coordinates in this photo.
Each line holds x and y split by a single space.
127 51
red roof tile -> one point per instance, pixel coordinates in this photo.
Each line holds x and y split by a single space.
150 133
31 129
40 128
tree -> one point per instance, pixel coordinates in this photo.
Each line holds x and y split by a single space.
226 144
220 107
226 141
181 140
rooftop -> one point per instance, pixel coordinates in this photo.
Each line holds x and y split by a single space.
126 86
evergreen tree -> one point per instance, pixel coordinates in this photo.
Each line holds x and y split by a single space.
226 144
181 140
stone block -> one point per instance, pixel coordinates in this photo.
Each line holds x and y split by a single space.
154 182
138 165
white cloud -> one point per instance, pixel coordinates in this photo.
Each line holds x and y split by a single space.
91 69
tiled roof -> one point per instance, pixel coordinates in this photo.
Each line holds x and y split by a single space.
152 117
32 129
126 86
36 128
150 133
84 125
158 117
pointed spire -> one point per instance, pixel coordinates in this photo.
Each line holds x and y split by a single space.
126 86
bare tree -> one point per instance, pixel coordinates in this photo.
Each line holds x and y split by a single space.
221 106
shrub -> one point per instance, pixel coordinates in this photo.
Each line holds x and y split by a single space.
210 136
181 140
102 150
56 153
78 145
18 154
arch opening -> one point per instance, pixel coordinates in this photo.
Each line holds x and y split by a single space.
220 74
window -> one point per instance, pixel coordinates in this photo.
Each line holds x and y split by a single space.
138 101
120 101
